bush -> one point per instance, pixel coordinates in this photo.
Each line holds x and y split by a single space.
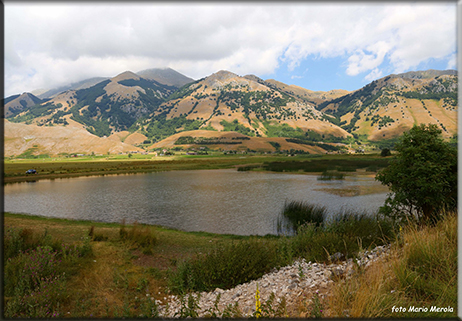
385 152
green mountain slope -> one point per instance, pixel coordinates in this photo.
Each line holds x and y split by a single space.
388 106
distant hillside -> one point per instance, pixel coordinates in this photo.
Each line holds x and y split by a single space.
109 106
233 141
313 97
165 76
52 140
430 73
389 106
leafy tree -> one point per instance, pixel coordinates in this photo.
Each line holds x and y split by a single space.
422 177
385 152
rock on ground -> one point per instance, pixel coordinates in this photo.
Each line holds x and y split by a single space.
294 284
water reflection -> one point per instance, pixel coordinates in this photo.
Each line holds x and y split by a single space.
218 201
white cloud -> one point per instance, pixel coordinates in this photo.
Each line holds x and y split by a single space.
361 61
452 62
49 44
374 74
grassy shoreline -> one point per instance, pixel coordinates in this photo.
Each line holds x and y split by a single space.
14 170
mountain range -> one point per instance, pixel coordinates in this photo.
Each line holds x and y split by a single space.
156 104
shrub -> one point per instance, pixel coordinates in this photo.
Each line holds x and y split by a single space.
385 152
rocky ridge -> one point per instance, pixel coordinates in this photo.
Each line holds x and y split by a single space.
293 283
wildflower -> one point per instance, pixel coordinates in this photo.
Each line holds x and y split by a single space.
257 303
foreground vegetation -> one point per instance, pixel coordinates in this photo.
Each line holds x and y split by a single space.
62 268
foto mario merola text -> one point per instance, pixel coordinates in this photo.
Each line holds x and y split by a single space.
422 309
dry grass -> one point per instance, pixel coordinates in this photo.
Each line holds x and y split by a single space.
421 271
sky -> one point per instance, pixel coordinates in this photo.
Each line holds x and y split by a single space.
314 45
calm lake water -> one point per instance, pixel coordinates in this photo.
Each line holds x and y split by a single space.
218 201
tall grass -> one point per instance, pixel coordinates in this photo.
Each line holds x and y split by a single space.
17 240
420 272
226 266
346 236
428 268
139 236
316 239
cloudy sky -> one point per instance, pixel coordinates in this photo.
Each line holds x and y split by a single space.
315 45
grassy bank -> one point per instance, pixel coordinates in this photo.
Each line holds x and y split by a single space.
52 168
14 170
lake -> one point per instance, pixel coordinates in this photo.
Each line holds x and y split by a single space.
217 201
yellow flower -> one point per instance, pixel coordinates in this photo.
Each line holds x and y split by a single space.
257 304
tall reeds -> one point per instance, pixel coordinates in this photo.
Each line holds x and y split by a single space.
298 213
316 236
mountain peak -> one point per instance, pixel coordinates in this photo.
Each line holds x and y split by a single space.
222 75
166 76
125 75
423 74
17 103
